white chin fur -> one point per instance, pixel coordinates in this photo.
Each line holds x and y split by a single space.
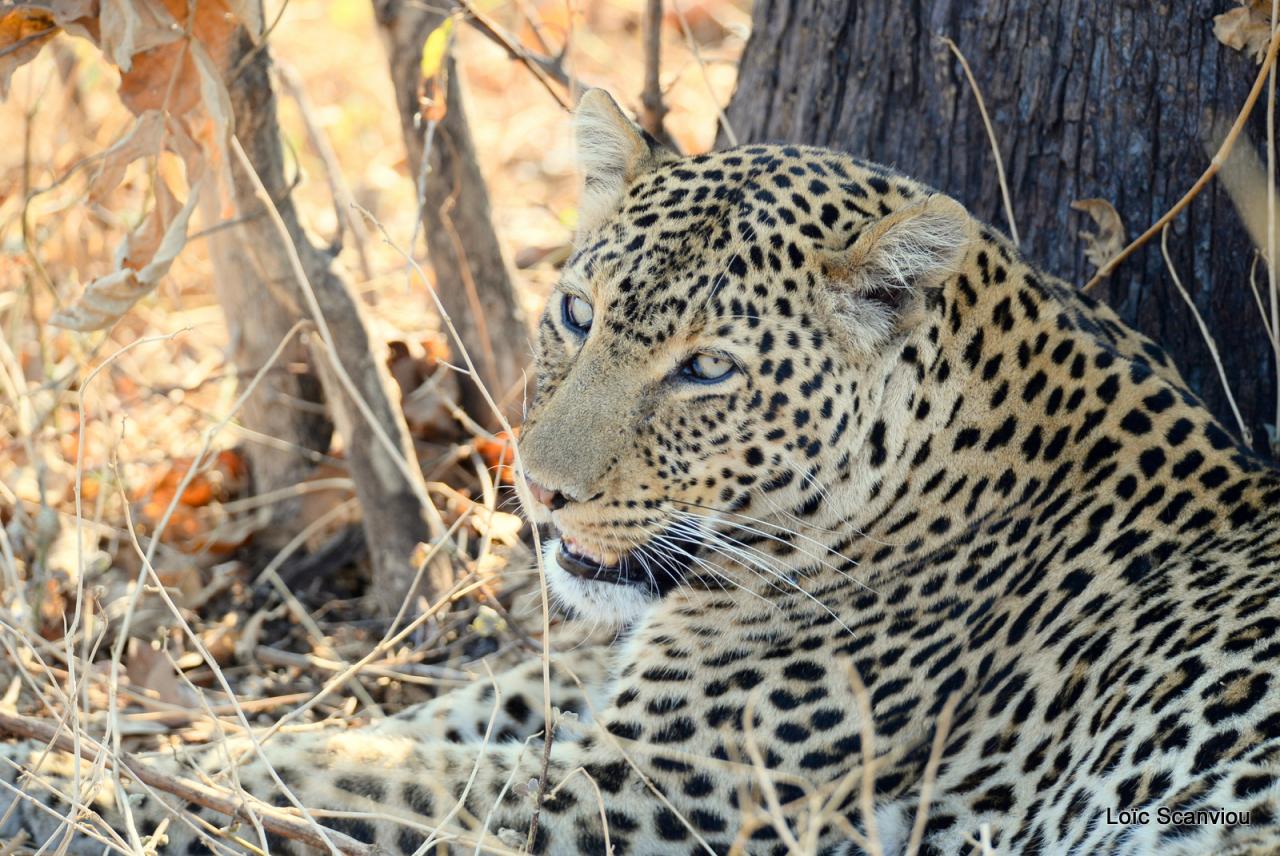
607 603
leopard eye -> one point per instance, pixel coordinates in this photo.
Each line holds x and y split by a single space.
707 368
577 313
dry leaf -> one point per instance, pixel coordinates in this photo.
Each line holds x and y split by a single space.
23 31
141 260
429 390
128 27
162 73
1105 244
144 139
1246 28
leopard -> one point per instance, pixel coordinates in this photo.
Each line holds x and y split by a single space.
907 547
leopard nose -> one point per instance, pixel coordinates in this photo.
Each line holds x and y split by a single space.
552 499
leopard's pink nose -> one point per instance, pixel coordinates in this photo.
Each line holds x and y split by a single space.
552 499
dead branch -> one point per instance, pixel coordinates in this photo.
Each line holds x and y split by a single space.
545 69
397 514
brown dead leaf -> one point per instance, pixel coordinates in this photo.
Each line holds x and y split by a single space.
1246 28
194 526
151 671
128 27
1105 244
162 73
429 390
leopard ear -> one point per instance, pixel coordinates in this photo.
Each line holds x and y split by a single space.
612 153
885 274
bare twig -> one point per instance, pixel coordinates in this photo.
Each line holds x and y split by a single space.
991 137
1214 165
941 731
338 189
1204 333
721 116
193 792
396 455
545 70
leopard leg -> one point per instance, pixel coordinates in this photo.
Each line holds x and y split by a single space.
507 707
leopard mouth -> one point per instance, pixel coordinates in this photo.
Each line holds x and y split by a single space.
657 567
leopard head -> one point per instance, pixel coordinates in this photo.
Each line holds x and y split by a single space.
714 353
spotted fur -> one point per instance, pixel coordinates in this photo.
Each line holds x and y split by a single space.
932 467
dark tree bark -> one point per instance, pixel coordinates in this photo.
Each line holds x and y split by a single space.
1088 98
472 276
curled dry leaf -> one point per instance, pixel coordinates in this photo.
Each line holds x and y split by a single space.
141 260
1246 28
128 27
144 138
1105 244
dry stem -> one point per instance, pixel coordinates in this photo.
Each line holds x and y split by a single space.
1204 333
991 138
1214 165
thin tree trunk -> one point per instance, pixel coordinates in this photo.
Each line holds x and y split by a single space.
266 299
1088 99
472 276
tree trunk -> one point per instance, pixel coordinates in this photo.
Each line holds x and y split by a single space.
473 279
1088 99
266 299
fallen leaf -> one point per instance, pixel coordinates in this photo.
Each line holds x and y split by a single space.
1106 243
429 390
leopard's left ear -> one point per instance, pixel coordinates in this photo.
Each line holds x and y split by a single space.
612 153
885 274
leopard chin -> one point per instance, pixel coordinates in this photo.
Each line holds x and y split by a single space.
616 590
605 599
